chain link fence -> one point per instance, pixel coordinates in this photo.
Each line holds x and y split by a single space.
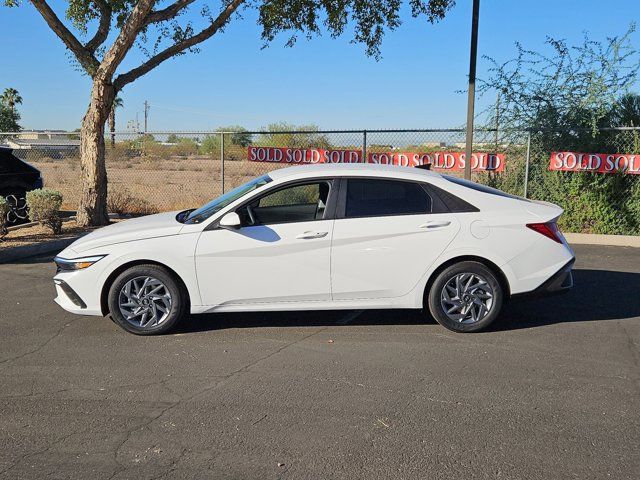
160 171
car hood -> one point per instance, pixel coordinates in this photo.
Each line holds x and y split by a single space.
151 226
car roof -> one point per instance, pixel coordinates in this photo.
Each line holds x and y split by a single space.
353 169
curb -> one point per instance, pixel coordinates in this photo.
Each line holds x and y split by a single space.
10 255
598 239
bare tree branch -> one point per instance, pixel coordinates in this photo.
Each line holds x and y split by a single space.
179 47
128 34
103 27
168 13
82 54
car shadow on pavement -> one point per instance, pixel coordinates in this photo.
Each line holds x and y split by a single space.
316 318
596 295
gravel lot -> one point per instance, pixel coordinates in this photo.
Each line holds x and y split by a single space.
553 391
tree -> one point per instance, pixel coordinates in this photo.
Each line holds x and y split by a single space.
569 88
117 103
303 136
10 98
626 111
569 99
9 119
9 116
240 137
154 23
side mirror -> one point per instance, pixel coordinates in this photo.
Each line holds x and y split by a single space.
231 221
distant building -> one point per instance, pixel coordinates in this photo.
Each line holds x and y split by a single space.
52 143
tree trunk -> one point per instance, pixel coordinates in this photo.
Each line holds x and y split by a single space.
92 209
112 126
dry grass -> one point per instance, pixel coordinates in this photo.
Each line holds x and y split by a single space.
122 202
164 184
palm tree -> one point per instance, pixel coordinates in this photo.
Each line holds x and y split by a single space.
10 97
117 102
626 111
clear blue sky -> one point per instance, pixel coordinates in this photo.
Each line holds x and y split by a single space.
327 82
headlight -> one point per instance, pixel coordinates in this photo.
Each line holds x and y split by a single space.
71 264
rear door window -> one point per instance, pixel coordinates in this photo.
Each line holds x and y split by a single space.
377 198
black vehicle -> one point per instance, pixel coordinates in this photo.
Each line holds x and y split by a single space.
16 179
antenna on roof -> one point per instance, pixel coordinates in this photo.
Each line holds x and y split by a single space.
424 166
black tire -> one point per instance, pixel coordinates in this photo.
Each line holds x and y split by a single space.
179 302
449 274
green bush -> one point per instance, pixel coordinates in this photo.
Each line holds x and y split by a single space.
210 145
44 207
4 211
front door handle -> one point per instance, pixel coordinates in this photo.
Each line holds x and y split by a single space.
311 235
435 224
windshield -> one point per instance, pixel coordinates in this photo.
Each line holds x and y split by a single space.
217 204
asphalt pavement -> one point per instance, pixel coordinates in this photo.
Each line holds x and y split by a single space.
551 392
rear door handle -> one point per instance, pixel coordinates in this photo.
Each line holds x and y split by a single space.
435 224
311 235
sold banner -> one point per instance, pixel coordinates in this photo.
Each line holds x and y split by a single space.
439 160
595 162
493 162
303 155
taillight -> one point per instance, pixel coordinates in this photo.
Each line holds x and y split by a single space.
549 230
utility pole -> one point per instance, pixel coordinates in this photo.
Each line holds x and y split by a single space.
146 114
472 88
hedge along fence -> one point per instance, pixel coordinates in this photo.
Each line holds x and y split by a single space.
605 203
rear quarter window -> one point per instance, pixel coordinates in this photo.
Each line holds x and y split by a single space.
482 188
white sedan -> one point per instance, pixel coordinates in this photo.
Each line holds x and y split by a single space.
323 237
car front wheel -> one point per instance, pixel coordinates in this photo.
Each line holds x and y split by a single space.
147 300
466 297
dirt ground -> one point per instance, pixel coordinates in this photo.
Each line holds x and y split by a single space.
38 233
166 184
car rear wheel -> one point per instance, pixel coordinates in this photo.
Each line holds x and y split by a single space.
147 300
466 297
18 210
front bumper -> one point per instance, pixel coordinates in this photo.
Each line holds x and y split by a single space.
73 297
559 283
67 294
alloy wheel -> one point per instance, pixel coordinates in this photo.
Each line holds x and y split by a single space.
18 209
467 298
145 302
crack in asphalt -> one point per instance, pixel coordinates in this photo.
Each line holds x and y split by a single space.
128 433
159 383
39 452
41 346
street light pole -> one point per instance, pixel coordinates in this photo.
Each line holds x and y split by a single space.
472 88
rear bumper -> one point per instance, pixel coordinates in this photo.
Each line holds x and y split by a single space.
560 282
